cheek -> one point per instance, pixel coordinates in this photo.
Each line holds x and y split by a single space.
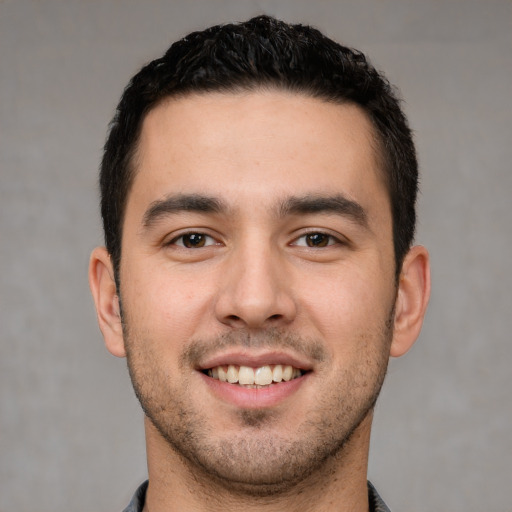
163 303
348 306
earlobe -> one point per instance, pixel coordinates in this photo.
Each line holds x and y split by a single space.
104 292
412 300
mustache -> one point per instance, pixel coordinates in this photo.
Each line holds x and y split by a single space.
273 339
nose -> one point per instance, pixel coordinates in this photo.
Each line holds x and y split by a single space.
255 290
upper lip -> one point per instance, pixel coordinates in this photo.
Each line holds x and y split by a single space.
255 360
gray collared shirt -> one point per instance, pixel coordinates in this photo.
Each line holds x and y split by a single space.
137 503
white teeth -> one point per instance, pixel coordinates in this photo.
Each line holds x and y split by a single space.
277 374
222 374
254 377
287 373
263 376
246 375
232 374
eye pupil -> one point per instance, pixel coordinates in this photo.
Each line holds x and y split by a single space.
317 240
193 240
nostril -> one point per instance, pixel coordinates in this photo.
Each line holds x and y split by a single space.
275 317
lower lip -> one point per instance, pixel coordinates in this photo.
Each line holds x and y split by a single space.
254 398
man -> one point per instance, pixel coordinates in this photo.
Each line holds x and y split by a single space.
258 197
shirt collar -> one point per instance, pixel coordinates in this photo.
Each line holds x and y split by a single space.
137 503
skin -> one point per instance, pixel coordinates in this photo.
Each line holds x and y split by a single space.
257 292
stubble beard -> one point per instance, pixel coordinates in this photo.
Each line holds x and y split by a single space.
257 461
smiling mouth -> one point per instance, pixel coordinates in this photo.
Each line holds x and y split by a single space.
249 377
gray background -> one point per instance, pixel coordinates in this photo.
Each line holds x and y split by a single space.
71 434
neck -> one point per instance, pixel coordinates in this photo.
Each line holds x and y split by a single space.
178 484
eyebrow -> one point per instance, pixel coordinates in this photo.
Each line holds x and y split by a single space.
337 204
181 203
308 204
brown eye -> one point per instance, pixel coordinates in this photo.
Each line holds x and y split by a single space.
317 240
194 240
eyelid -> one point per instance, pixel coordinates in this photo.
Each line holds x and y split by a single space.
176 237
335 239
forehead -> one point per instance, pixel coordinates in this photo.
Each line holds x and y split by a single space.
255 146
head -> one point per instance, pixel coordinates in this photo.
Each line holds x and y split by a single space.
262 53
261 182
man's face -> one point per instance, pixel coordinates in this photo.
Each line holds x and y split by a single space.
257 237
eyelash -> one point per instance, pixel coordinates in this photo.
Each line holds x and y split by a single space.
191 234
331 240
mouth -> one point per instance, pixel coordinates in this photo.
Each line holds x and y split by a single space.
254 377
256 380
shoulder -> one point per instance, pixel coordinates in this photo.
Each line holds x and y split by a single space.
375 501
137 503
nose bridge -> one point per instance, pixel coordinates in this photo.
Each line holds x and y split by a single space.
256 291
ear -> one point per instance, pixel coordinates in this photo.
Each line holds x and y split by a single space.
104 292
412 300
